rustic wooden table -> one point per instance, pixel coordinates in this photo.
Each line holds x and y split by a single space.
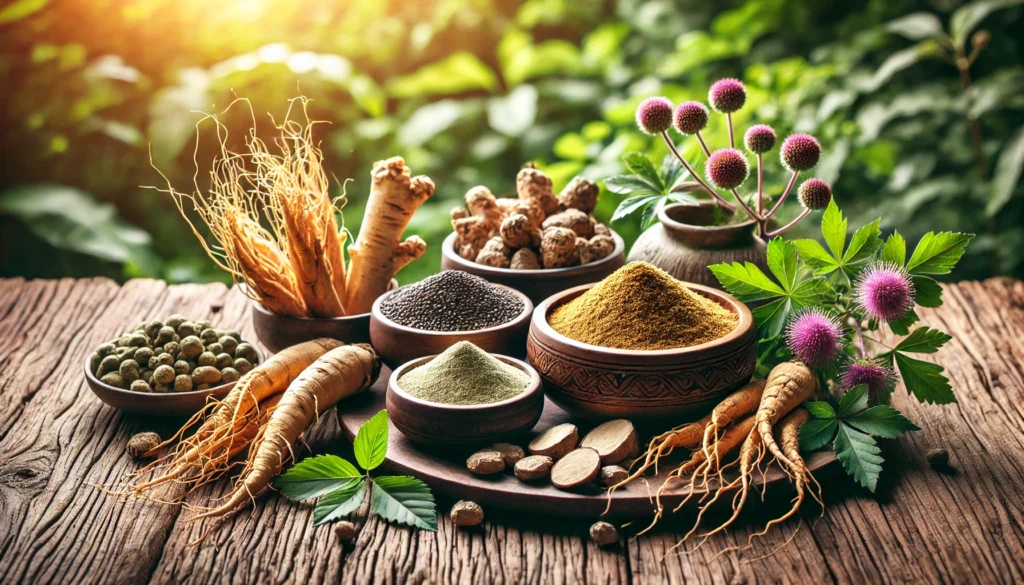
57 442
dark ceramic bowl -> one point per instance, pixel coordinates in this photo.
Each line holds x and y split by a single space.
460 427
537 284
601 383
169 404
397 344
277 332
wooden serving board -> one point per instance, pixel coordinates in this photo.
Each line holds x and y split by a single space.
446 472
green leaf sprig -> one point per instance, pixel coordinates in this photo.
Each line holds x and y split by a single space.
810 275
647 190
342 488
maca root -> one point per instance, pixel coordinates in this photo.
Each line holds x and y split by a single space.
744 421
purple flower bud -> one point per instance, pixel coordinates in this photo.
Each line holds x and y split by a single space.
727 95
727 168
814 337
815 194
691 117
759 138
877 377
654 115
885 291
800 152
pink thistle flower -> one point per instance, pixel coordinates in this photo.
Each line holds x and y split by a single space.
876 376
814 337
727 168
885 291
654 115
759 138
815 194
800 152
691 117
727 95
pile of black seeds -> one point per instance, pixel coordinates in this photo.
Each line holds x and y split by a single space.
452 301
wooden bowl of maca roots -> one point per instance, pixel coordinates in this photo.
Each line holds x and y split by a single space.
601 383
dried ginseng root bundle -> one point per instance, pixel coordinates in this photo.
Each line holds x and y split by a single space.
297 267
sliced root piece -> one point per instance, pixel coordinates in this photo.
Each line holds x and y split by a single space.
614 441
555 442
576 468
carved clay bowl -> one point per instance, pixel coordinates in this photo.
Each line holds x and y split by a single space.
463 427
277 332
537 284
398 344
602 383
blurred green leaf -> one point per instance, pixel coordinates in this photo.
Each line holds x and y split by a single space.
456 73
917 26
969 16
515 113
1007 175
20 9
73 220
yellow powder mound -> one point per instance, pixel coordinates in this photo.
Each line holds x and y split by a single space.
641 307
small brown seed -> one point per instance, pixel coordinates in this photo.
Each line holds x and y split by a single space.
142 445
938 458
509 452
603 533
486 462
345 530
612 474
533 467
466 513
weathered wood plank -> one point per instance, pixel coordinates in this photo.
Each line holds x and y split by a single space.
56 439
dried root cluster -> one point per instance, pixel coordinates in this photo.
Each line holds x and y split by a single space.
275 228
535 230
759 424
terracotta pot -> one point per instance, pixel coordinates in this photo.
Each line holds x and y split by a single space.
685 242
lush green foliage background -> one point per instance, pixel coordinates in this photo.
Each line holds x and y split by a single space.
468 90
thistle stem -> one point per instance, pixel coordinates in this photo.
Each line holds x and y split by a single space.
761 223
721 202
732 139
795 221
703 145
778 204
860 339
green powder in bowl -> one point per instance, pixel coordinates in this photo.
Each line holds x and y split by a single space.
463 375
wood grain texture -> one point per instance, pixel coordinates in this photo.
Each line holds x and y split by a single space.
57 441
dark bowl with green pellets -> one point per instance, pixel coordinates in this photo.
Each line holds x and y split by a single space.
481 399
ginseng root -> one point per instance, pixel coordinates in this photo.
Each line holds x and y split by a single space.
339 373
740 403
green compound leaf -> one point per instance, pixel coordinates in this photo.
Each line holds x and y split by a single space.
782 262
863 245
881 421
371 444
923 340
902 326
854 400
640 164
816 433
859 455
316 476
632 205
895 249
924 380
938 253
820 409
746 281
833 229
340 503
404 500
815 256
927 292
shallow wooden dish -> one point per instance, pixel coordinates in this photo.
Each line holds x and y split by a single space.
537 284
277 332
600 382
446 473
457 427
397 344
169 404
